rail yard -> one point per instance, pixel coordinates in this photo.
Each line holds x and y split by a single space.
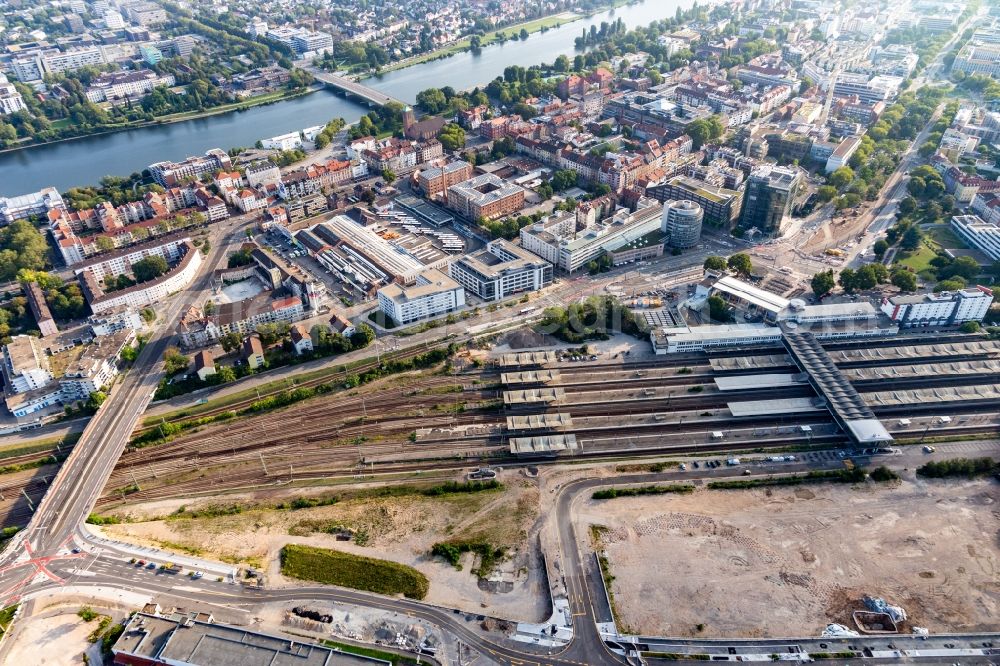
537 408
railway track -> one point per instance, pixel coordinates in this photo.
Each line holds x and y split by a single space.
309 383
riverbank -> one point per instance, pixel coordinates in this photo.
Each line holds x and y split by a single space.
243 105
465 44
82 162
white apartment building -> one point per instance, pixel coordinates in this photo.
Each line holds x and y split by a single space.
60 61
842 154
89 374
543 237
119 262
113 20
10 100
289 141
25 364
984 236
145 293
262 173
308 41
433 294
501 269
168 174
27 68
120 85
946 308
27 205
574 249
113 321
978 58
881 88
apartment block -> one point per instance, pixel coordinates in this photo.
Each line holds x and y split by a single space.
431 295
501 269
485 197
169 174
25 364
145 293
10 99
721 206
946 308
122 85
434 181
29 205
40 309
983 236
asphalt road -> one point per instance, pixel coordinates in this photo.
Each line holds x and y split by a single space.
82 477
101 566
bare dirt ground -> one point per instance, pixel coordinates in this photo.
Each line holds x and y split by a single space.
56 640
402 529
788 561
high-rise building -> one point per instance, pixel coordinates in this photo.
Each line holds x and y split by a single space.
682 223
768 198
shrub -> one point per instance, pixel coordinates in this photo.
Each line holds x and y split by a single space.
964 467
360 573
453 487
452 551
611 493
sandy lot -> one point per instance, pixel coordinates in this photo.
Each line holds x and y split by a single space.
57 640
401 529
788 561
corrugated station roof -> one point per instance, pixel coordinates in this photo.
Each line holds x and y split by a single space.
526 359
533 396
917 351
751 294
918 396
763 361
775 407
545 445
847 406
539 422
925 370
530 377
744 382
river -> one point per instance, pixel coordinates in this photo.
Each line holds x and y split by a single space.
84 161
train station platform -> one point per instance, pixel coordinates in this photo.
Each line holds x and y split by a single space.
527 359
765 381
773 407
529 377
547 445
539 422
536 396
849 410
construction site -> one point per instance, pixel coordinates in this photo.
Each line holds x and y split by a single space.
781 562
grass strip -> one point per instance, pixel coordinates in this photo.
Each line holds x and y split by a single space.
611 493
855 475
391 657
332 567
41 445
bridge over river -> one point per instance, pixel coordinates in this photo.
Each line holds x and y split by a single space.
354 88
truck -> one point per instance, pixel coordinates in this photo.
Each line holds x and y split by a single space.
733 462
